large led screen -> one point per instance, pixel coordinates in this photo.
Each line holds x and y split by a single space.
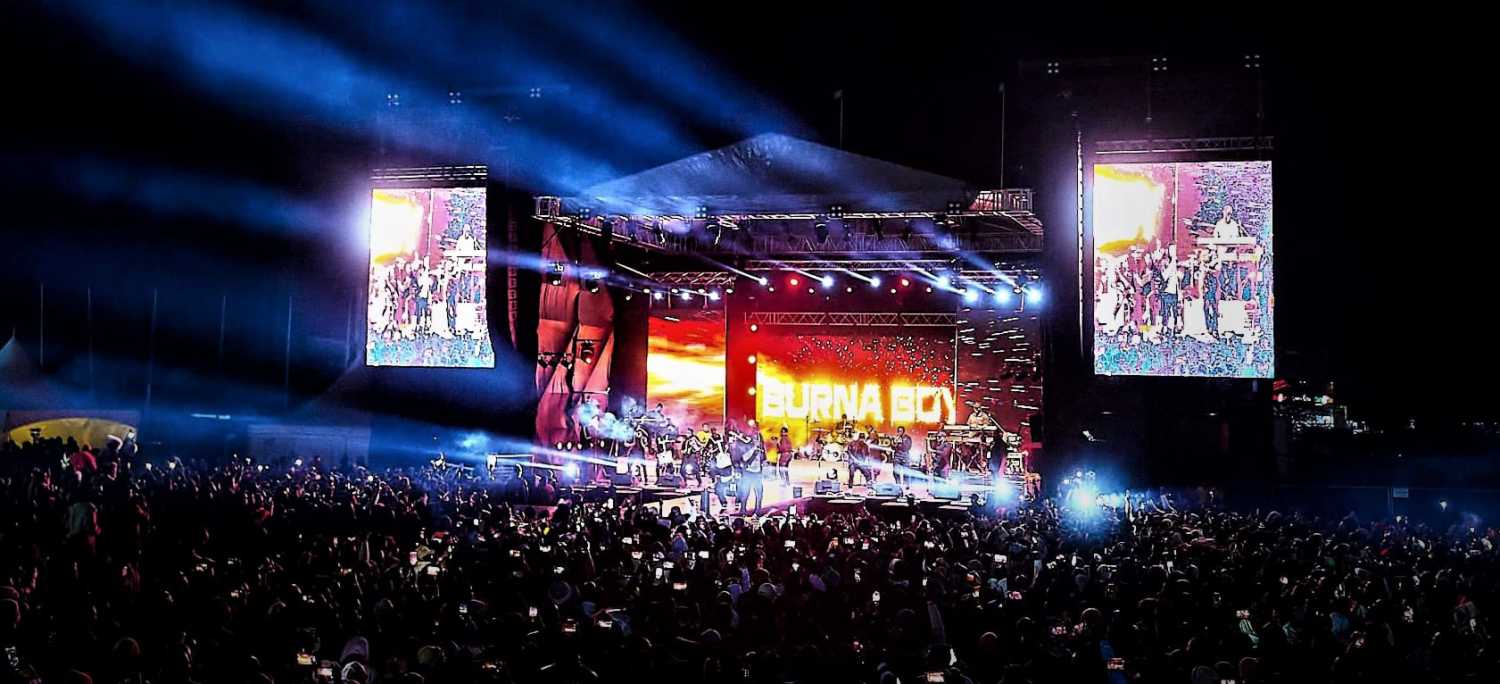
685 366
879 379
427 298
1183 277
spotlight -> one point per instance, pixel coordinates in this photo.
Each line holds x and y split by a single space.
687 295
874 281
586 352
754 327
1003 296
713 296
944 282
752 391
558 446
1034 294
764 281
905 282
849 289
893 290
751 360
827 281
702 213
657 295
770 288
811 291
970 296
570 471
628 296
794 282
929 289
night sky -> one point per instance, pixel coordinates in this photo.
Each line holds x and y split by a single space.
1384 246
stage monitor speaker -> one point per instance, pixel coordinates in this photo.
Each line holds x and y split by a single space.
796 491
670 480
826 487
944 491
622 479
885 489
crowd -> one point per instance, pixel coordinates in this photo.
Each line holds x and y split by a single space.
246 572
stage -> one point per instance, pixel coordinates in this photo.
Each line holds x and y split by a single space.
958 494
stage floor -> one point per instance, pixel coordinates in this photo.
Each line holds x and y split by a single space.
803 473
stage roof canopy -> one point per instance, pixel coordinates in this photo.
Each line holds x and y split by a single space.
773 173
781 187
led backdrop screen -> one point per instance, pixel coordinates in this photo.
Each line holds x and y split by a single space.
808 381
427 261
685 366
1183 269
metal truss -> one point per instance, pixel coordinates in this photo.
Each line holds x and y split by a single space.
851 319
695 278
999 221
478 174
1149 146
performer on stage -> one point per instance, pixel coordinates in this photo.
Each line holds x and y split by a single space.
1229 271
785 452
719 466
752 466
902 459
941 456
859 460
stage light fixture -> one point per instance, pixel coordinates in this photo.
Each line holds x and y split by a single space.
628 296
729 290
771 288
751 359
702 212
713 296
893 290
874 281
687 295
754 327
836 210
658 295
570 471
764 281
1003 296
906 230
827 282
811 291
944 282
820 228
1034 294
905 282
794 282
586 352
752 391
849 289
971 296
929 289
592 284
